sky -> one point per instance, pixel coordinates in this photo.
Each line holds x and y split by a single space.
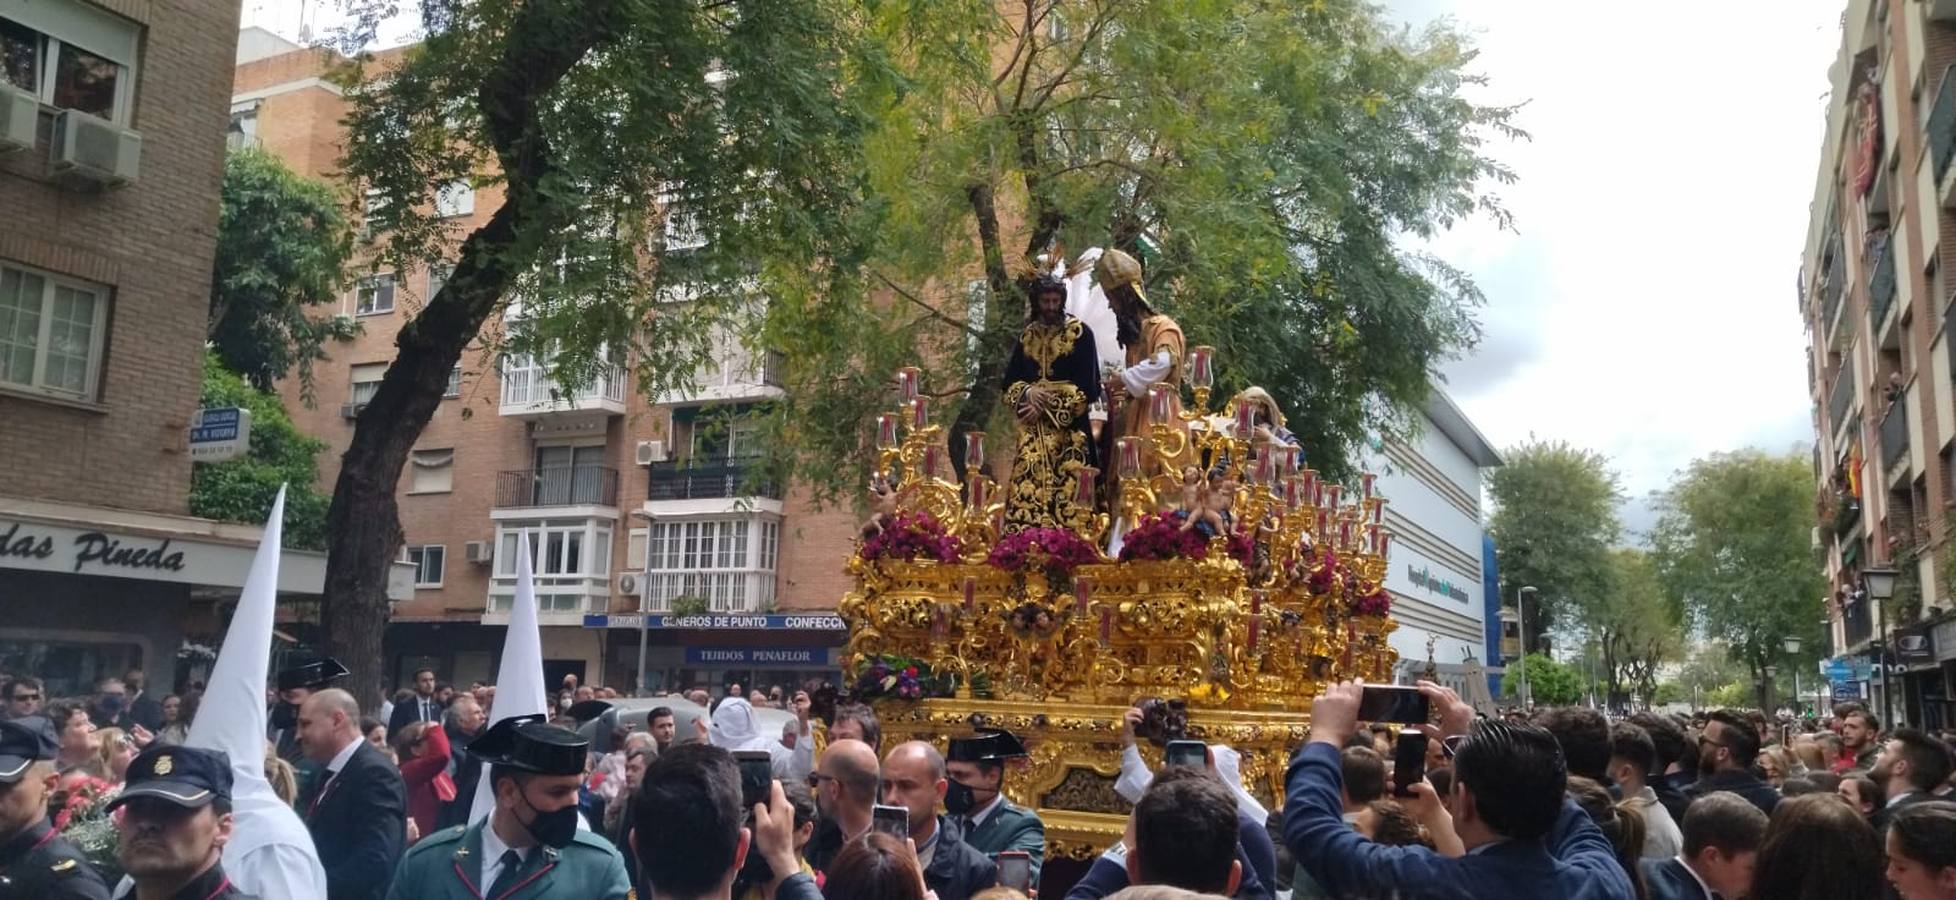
1644 306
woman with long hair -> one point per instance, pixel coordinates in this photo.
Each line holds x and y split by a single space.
284 779
1922 851
1817 848
875 866
423 750
1622 825
118 749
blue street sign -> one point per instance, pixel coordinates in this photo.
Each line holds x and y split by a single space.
755 622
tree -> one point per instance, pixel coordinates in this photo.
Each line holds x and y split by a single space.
282 248
1553 525
603 122
241 490
1262 158
1637 629
1552 683
1734 549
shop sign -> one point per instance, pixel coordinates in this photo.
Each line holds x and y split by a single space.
757 656
48 548
1945 639
757 622
1423 577
1912 646
220 433
1850 690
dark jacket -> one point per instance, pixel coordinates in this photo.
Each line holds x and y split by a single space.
1574 861
408 713
466 768
1668 879
956 870
358 820
1256 850
39 864
1738 781
1670 792
1896 804
146 711
1108 876
212 885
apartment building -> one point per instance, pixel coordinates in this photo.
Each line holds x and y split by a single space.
1874 292
110 164
640 511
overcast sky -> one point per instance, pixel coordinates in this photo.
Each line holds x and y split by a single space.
1646 306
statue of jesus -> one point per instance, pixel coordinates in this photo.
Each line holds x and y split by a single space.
1050 382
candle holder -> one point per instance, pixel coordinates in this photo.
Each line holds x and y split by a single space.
919 413
886 432
909 381
974 450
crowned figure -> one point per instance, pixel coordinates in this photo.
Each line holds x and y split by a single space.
1050 383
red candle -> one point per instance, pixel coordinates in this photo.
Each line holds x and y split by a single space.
938 621
886 432
1372 537
1332 493
1106 625
974 450
1129 451
1082 590
908 381
1365 481
929 463
1345 535
1324 524
1256 629
1309 486
980 491
1378 510
1384 545
1245 414
1202 373
919 413
1083 493
1265 467
1293 495
1256 602
1290 460
1158 405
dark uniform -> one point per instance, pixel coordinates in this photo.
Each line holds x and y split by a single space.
37 862
283 728
448 865
186 777
1006 826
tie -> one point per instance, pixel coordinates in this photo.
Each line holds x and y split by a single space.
427 711
507 876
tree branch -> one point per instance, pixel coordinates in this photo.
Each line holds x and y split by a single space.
933 311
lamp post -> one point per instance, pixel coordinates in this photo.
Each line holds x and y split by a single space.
1880 582
1521 613
1772 674
644 595
1792 645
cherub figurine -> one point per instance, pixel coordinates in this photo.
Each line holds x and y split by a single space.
1212 516
1194 496
883 502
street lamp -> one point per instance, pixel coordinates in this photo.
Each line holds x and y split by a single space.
1792 645
1521 613
644 587
1880 582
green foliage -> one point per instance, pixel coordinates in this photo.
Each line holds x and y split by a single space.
282 247
1734 550
1669 692
1637 628
1553 524
1262 158
689 605
242 490
1551 682
1733 695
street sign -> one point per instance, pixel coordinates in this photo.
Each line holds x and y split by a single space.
1847 691
220 433
755 621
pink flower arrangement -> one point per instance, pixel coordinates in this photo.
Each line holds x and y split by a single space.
1241 547
1160 536
1375 602
1325 575
909 535
1049 548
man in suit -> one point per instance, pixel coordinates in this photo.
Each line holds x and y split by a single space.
1722 831
1726 749
1522 835
422 707
976 792
913 778
357 807
530 845
110 708
144 709
1911 768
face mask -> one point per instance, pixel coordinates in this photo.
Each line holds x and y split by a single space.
552 829
284 716
111 704
958 798
563 703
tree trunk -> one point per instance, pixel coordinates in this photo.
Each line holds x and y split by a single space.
979 404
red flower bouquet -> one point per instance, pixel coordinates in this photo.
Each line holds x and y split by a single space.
1053 549
910 535
1160 536
1376 602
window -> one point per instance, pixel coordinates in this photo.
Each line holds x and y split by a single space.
432 472
51 333
428 563
456 198
454 388
371 206
243 131
729 563
70 56
437 278
571 560
366 380
374 295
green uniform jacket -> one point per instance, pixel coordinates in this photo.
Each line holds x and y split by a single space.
1010 827
447 864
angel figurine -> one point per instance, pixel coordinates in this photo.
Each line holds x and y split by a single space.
882 502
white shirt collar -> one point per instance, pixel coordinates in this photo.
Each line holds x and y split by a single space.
1901 796
492 852
978 817
1694 876
346 753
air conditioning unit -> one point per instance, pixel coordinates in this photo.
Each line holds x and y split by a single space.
351 410
478 552
650 452
630 584
20 115
94 149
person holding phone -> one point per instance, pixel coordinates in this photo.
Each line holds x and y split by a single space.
914 780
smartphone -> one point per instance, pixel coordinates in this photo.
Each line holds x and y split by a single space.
891 820
756 777
1015 870
1186 753
1408 762
1396 703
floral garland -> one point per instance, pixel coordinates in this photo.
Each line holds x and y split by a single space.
82 816
909 535
902 677
1057 550
1376 602
1160 536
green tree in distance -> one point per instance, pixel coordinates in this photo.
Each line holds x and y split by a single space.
604 122
1734 549
241 490
1552 683
1553 525
1262 158
282 247
1637 628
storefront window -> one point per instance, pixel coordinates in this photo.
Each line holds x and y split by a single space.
68 668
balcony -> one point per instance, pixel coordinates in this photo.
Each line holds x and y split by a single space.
1894 436
1841 399
719 480
529 391
1857 624
558 486
1942 133
1881 284
736 374
724 592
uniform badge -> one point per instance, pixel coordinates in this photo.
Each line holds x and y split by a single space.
63 865
163 765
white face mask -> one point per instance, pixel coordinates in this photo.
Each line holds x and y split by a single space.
563 703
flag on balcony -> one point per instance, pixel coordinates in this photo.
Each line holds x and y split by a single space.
1854 469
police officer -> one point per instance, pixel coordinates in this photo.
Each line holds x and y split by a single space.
176 817
530 844
976 794
295 684
35 860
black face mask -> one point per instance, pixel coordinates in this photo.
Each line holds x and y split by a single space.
959 799
551 829
284 716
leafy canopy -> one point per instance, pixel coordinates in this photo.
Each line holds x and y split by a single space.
242 489
1553 525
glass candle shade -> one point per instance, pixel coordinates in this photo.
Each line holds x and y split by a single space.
919 413
909 381
1158 405
974 450
886 432
1201 364
1083 486
1127 451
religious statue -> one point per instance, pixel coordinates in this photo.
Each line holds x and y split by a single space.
1050 382
1154 347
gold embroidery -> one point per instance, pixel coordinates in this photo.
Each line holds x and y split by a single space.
1051 450
1045 345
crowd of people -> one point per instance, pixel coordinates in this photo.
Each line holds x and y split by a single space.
425 799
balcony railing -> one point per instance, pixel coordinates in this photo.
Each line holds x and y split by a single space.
557 486
724 592
720 480
1842 397
1881 284
1857 623
1942 126
529 390
1894 434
